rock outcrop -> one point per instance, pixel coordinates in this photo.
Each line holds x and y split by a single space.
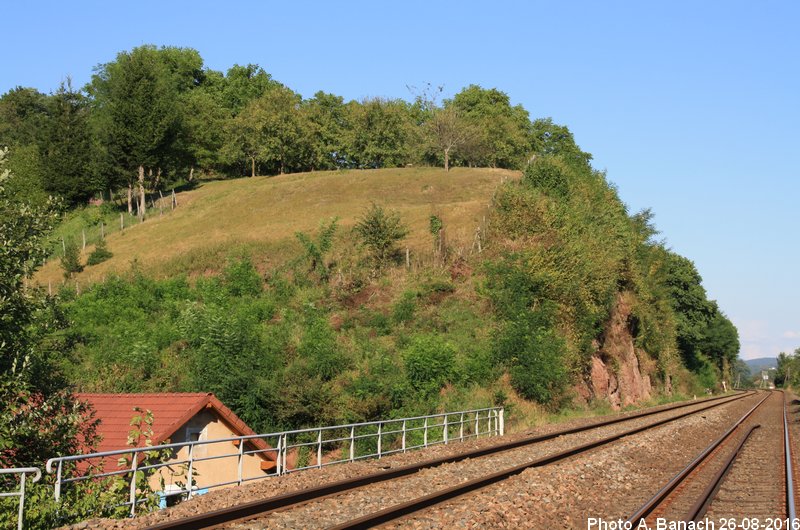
619 372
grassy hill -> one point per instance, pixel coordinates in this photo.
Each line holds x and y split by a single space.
567 297
262 214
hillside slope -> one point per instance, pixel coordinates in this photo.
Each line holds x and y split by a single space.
263 213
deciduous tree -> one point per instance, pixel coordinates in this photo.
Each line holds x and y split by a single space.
38 418
503 138
449 132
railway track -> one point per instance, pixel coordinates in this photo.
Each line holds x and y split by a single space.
744 478
515 456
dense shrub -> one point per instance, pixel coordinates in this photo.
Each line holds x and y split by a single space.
403 309
380 230
549 174
99 254
242 279
319 349
71 260
535 357
430 363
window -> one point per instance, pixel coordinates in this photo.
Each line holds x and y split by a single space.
194 434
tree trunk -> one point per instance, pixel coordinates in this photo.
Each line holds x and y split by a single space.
130 198
253 166
447 159
158 180
142 203
191 174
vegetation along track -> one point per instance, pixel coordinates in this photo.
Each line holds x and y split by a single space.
736 477
512 457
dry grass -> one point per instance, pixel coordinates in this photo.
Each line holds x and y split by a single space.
261 215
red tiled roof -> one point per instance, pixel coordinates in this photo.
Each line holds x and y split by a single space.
170 412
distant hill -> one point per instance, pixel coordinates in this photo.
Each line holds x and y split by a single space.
762 363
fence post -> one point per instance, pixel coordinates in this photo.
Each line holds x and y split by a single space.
380 431
477 424
132 495
285 451
278 461
58 481
444 430
319 448
352 442
425 433
21 501
502 421
241 458
189 471
461 428
404 436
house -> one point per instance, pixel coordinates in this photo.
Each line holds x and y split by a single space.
179 418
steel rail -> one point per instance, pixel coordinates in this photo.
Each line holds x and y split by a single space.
420 503
649 506
700 507
264 506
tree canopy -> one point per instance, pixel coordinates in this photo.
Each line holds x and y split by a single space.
157 115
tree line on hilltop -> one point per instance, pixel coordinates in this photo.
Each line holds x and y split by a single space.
158 115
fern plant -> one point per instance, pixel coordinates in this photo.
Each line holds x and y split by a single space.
314 250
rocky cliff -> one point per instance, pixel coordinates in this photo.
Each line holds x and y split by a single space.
619 372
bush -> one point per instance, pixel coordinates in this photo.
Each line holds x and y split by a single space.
403 310
534 355
99 254
242 279
549 174
429 362
319 349
71 260
380 230
316 249
437 287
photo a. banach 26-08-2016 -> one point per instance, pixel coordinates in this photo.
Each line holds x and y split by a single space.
723 523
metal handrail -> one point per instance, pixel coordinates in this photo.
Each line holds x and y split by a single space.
435 428
790 507
23 472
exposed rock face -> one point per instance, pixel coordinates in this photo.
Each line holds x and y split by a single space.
620 373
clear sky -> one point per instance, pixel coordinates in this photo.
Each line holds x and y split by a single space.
691 106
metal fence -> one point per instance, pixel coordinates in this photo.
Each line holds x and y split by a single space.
290 451
23 472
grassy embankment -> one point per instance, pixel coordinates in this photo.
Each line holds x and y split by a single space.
261 215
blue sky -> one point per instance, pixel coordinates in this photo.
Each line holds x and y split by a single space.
691 107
